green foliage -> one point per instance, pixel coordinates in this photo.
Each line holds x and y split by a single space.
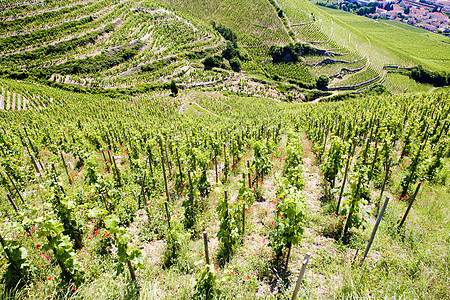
125 209
13 25
203 185
262 151
322 82
228 233
125 252
227 33
333 161
364 11
232 52
420 74
52 231
293 169
175 238
205 284
35 37
235 64
173 88
18 268
213 62
99 62
51 50
65 210
288 230
156 65
352 205
91 169
290 52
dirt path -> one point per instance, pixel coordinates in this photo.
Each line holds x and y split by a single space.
208 110
313 183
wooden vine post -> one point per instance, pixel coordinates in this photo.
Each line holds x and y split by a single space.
32 148
110 159
117 170
373 163
191 196
65 166
243 211
384 184
167 191
205 243
36 166
375 228
179 166
414 162
104 159
300 276
12 203
151 167
350 155
225 161
215 163
410 205
352 207
15 187
143 192
169 164
132 274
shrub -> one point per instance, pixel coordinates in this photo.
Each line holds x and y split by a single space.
322 82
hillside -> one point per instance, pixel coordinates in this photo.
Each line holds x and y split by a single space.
212 149
117 45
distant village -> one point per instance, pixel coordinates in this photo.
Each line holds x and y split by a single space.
430 14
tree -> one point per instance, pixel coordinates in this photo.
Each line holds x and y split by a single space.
322 82
173 88
235 64
230 51
212 61
407 10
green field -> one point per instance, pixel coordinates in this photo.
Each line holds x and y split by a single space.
410 44
381 42
398 84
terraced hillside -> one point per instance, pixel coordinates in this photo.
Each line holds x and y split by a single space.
356 48
114 44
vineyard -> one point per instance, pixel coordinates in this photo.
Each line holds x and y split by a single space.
95 208
163 150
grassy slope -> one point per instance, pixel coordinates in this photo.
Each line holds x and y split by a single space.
382 42
255 21
398 83
408 44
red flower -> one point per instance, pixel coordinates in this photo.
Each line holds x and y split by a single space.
27 233
248 277
74 288
49 278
